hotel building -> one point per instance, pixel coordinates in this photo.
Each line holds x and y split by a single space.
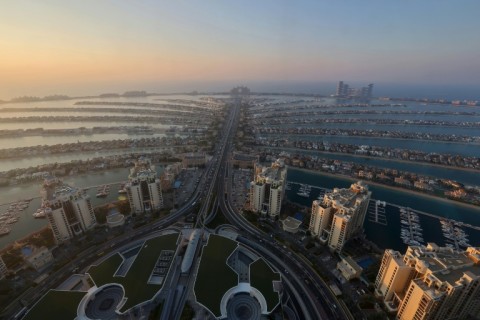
345 91
68 210
340 215
144 188
268 188
430 282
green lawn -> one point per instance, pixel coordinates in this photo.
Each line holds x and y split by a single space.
56 305
135 282
214 276
261 277
103 273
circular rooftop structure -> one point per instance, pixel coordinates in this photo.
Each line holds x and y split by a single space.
243 306
291 224
101 303
115 219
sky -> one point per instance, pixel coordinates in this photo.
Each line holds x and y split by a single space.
96 46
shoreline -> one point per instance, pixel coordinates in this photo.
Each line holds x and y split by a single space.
377 137
429 196
23 239
373 158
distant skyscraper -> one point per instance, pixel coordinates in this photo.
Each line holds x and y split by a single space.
370 91
430 283
68 210
268 188
340 215
344 91
340 91
144 188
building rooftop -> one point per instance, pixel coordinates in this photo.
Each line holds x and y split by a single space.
292 223
276 172
352 263
53 189
347 198
143 168
187 261
445 264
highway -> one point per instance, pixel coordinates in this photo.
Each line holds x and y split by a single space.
315 299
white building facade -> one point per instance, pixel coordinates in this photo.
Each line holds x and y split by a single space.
268 188
68 210
144 189
340 215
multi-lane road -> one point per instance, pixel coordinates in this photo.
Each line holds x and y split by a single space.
312 296
315 299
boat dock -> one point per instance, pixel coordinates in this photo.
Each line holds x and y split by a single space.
411 230
38 197
376 212
455 222
104 184
16 201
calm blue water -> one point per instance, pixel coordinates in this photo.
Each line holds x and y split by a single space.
389 236
429 117
413 90
364 263
461 131
9 164
75 125
21 142
27 224
464 149
466 177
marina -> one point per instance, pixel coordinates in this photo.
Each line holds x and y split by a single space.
400 225
376 212
304 190
411 231
454 235
28 223
12 215
103 191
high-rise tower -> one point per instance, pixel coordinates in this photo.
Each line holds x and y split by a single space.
268 188
143 188
340 89
340 215
430 282
68 210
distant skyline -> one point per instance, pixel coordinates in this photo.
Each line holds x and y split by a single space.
92 47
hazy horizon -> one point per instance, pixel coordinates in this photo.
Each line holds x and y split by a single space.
91 47
399 90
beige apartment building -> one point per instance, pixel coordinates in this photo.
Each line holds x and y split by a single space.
430 282
268 189
143 188
68 210
340 215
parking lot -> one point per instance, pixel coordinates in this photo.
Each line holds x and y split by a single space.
240 191
189 179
